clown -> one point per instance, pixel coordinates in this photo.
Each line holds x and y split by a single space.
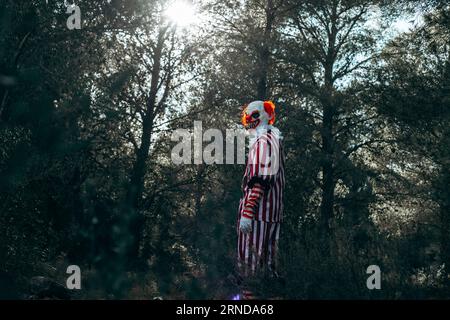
261 206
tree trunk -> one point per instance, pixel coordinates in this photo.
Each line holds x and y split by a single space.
328 178
328 181
136 185
264 53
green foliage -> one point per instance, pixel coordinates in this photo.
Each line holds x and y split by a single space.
86 176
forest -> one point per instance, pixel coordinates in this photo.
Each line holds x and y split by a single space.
92 91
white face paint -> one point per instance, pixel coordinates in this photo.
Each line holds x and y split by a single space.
255 116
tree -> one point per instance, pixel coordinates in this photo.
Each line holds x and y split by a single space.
412 91
335 44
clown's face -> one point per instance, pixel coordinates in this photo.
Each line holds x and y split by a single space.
258 114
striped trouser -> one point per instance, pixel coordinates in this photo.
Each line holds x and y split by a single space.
257 249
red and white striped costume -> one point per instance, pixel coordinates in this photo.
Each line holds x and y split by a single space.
262 201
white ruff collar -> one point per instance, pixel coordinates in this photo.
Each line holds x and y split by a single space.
262 130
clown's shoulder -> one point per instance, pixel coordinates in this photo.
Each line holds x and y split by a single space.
270 134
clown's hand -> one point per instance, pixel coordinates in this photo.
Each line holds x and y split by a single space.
245 225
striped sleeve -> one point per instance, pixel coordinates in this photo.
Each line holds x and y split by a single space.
252 201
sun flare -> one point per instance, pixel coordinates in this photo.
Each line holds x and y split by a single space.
181 13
